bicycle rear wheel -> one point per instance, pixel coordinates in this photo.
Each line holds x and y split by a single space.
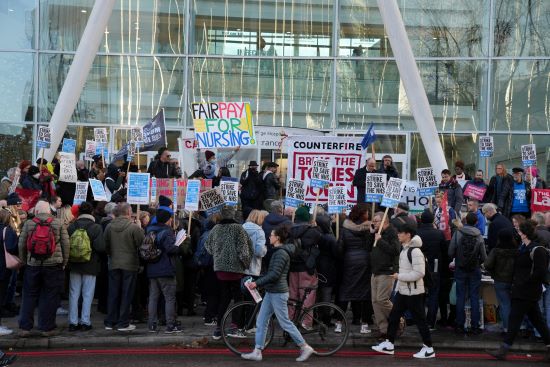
318 327
239 327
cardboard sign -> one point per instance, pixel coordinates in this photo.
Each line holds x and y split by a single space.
98 190
212 201
427 182
475 192
486 146
320 174
132 149
295 193
69 146
15 182
136 134
375 187
44 138
192 195
337 199
67 167
223 124
230 192
100 135
529 155
540 200
101 149
81 192
90 150
138 188
393 192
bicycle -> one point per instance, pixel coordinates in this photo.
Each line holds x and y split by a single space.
239 326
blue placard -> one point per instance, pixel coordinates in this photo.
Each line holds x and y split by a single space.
42 144
98 149
318 184
294 203
69 146
138 188
175 194
193 195
98 190
373 198
428 191
389 203
529 163
486 153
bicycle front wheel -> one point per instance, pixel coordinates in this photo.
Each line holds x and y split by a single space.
239 327
318 325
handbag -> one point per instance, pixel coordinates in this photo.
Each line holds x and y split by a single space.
12 261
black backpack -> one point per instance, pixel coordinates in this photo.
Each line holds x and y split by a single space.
308 252
148 250
428 279
468 253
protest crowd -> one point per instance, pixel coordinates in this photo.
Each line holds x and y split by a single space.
151 263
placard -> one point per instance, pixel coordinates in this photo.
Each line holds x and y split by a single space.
475 192
529 155
230 192
337 199
132 149
69 146
138 188
320 173
67 167
427 182
486 146
375 187
100 135
295 193
90 150
192 195
98 190
136 134
101 149
540 200
392 194
153 190
44 138
212 201
81 192
175 193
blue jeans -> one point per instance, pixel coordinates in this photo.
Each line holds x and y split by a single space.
275 303
504 296
122 284
81 284
471 281
432 301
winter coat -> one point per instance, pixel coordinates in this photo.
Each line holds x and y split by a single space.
433 245
455 247
9 241
356 265
391 171
410 280
275 280
166 243
384 258
122 241
359 181
257 237
491 194
230 246
271 186
507 198
160 169
95 233
30 182
454 194
61 253
4 188
309 236
272 221
500 264
497 222
251 186
543 236
401 219
329 253
528 277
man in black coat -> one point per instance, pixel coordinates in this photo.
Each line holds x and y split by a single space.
497 222
251 189
161 167
271 182
401 217
499 185
360 178
388 168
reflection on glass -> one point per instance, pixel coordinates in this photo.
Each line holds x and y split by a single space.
293 93
148 27
391 144
508 151
122 90
521 95
372 91
17 86
17 19
263 28
14 145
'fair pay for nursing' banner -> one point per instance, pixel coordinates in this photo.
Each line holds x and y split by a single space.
223 124
345 158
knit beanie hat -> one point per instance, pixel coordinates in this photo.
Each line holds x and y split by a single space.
164 201
209 154
13 199
427 217
302 214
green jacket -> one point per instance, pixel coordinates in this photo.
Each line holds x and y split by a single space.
275 280
500 264
122 241
61 254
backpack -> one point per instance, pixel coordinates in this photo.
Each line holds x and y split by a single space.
148 249
468 253
41 241
546 280
428 279
202 258
80 250
307 253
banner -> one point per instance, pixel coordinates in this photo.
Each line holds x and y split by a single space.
529 155
212 201
320 174
475 192
427 182
138 188
81 192
100 135
230 192
345 156
295 193
540 200
375 187
392 195
69 146
337 200
192 195
486 146
90 150
67 167
98 190
44 138
223 124
153 135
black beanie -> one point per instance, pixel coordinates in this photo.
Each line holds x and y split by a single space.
164 201
163 216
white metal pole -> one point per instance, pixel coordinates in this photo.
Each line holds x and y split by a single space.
78 73
416 94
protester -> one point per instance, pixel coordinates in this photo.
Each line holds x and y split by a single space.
473 207
401 217
542 232
271 182
479 182
387 167
460 175
32 179
6 183
497 222
360 178
517 197
531 176
500 185
9 244
222 172
257 236
453 189
445 225
161 167
55 204
114 183
328 259
251 189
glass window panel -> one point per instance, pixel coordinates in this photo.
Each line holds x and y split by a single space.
391 144
17 84
17 19
135 26
15 145
521 95
295 93
263 28
522 28
435 28
508 151
119 90
372 91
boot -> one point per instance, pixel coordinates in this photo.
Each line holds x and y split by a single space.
499 353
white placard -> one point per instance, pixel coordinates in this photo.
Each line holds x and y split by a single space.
230 192
427 181
100 135
375 186
486 146
529 155
81 192
98 190
337 199
393 192
320 173
295 193
212 201
67 167
44 139
90 149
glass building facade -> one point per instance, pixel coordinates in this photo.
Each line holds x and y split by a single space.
325 65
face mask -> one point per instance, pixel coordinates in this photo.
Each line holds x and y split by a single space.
213 160
37 175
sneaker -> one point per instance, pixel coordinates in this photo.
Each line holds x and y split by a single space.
130 327
251 331
305 353
255 355
385 347
153 328
306 327
425 352
61 311
236 333
211 323
173 329
5 331
108 327
217 335
6 360
365 329
73 327
499 353
84 327
338 327
50 333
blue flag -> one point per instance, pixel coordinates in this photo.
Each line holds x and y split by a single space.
369 138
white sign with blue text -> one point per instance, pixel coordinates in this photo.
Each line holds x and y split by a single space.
230 192
486 146
192 195
81 192
393 192
337 199
529 155
44 139
295 193
375 187
212 201
320 174
98 190
427 182
138 188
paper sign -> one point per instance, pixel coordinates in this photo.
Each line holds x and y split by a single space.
253 292
295 193
393 192
475 192
136 134
90 150
337 199
101 146
81 192
132 149
153 190
320 173
486 146
375 187
529 155
44 139
540 200
69 146
192 195
212 201
230 192
138 188
67 167
427 182
175 193
223 124
100 135
15 182
98 190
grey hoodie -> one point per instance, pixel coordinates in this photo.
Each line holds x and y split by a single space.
457 238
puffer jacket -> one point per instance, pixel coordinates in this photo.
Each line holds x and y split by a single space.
410 280
95 233
230 246
61 254
500 264
275 280
310 236
257 236
355 285
122 240
384 258
166 243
